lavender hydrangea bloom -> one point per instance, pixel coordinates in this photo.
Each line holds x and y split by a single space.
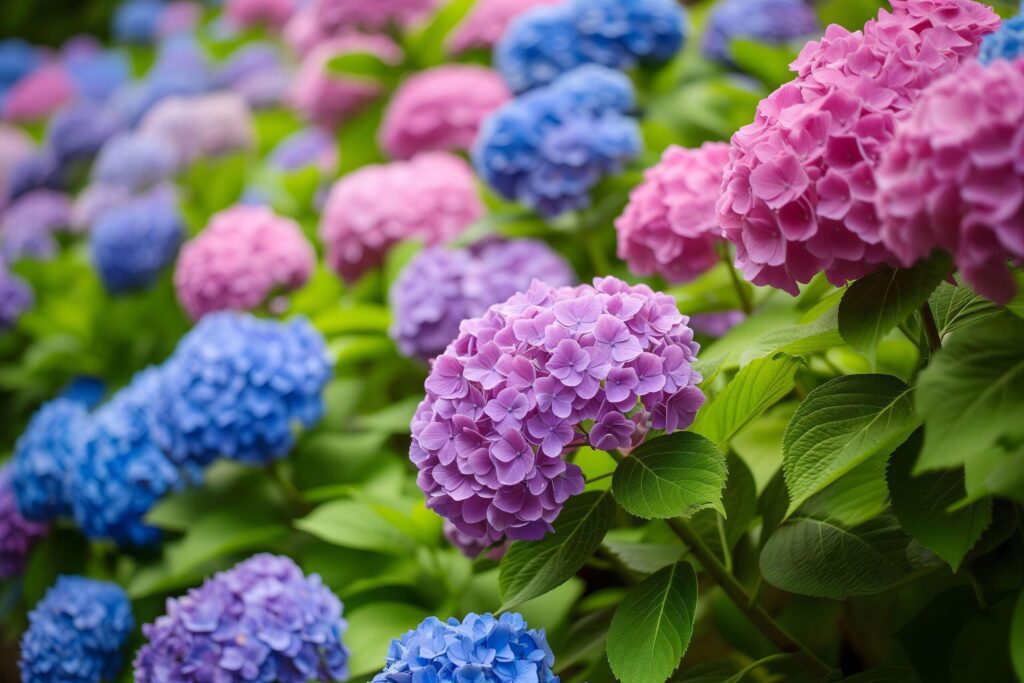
764 21
1007 42
312 146
134 161
45 453
78 132
261 622
442 287
17 534
27 228
15 298
238 385
76 632
478 649
131 244
39 171
515 391
98 74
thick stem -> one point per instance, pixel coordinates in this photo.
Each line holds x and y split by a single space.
931 330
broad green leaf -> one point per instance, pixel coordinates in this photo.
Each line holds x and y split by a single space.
221 533
427 45
645 558
651 628
823 559
371 628
360 65
769 63
394 419
671 476
530 569
361 318
850 14
875 304
972 393
920 504
356 524
995 472
956 307
840 425
805 339
754 389
1017 638
855 497
722 533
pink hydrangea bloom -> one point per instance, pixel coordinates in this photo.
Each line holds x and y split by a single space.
487 21
329 99
441 109
269 13
536 377
432 198
202 126
798 194
39 94
953 177
243 256
302 33
372 16
670 226
15 145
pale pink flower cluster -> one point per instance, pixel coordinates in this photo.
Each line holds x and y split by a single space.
202 126
487 22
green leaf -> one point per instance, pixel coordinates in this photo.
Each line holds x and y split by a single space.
530 569
972 393
823 559
361 65
371 628
956 307
995 472
427 45
769 63
851 14
840 425
671 476
221 533
356 524
651 628
1017 638
708 672
394 419
920 504
722 533
855 497
645 558
875 304
753 390
885 674
805 339
356 319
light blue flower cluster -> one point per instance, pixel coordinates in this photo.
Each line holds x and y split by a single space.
479 649
99 74
548 148
132 244
17 59
134 161
76 633
1007 42
764 21
548 41
136 21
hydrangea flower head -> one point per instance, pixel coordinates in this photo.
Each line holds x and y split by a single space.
244 255
96 73
135 21
270 13
85 390
371 16
441 287
764 21
440 109
480 648
487 22
518 387
547 149
27 227
1005 43
132 244
262 621
94 200
76 632
48 449
257 73
79 131
17 59
204 126
432 198
311 146
178 17
39 94
798 194
237 386
15 146
134 161
17 534
670 226
15 298
953 178
39 170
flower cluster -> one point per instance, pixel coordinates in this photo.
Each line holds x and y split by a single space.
765 21
257 73
548 148
269 13
373 16
135 21
1005 43
76 632
521 384
17 534
134 161
670 226
441 287
244 255
97 73
15 298
262 621
953 177
432 198
311 146
203 126
478 649
48 449
39 170
487 22
14 147
27 227
39 94
78 132
237 386
798 194
440 109
546 42
17 59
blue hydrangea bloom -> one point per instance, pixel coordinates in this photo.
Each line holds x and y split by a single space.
479 649
133 243
79 131
15 298
237 386
547 41
76 632
135 21
547 149
17 59
764 21
98 76
1006 43
38 171
134 161
45 453
86 390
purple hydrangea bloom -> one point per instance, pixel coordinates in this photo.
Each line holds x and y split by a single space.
27 228
135 161
133 243
257 73
764 21
441 287
17 534
76 632
46 452
15 298
519 386
478 649
311 146
262 621
38 171
79 131
716 324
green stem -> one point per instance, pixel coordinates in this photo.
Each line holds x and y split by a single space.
599 477
931 330
291 494
738 285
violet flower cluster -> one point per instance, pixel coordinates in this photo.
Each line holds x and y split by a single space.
17 535
539 375
15 146
16 297
262 621
78 132
28 225
134 161
441 287
487 22
764 21
798 195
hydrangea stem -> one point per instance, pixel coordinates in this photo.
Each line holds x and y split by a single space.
738 285
931 329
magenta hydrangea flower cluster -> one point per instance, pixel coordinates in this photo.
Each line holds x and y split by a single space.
670 226
539 375
243 256
441 109
373 16
487 21
17 534
432 198
798 195
269 13
953 177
